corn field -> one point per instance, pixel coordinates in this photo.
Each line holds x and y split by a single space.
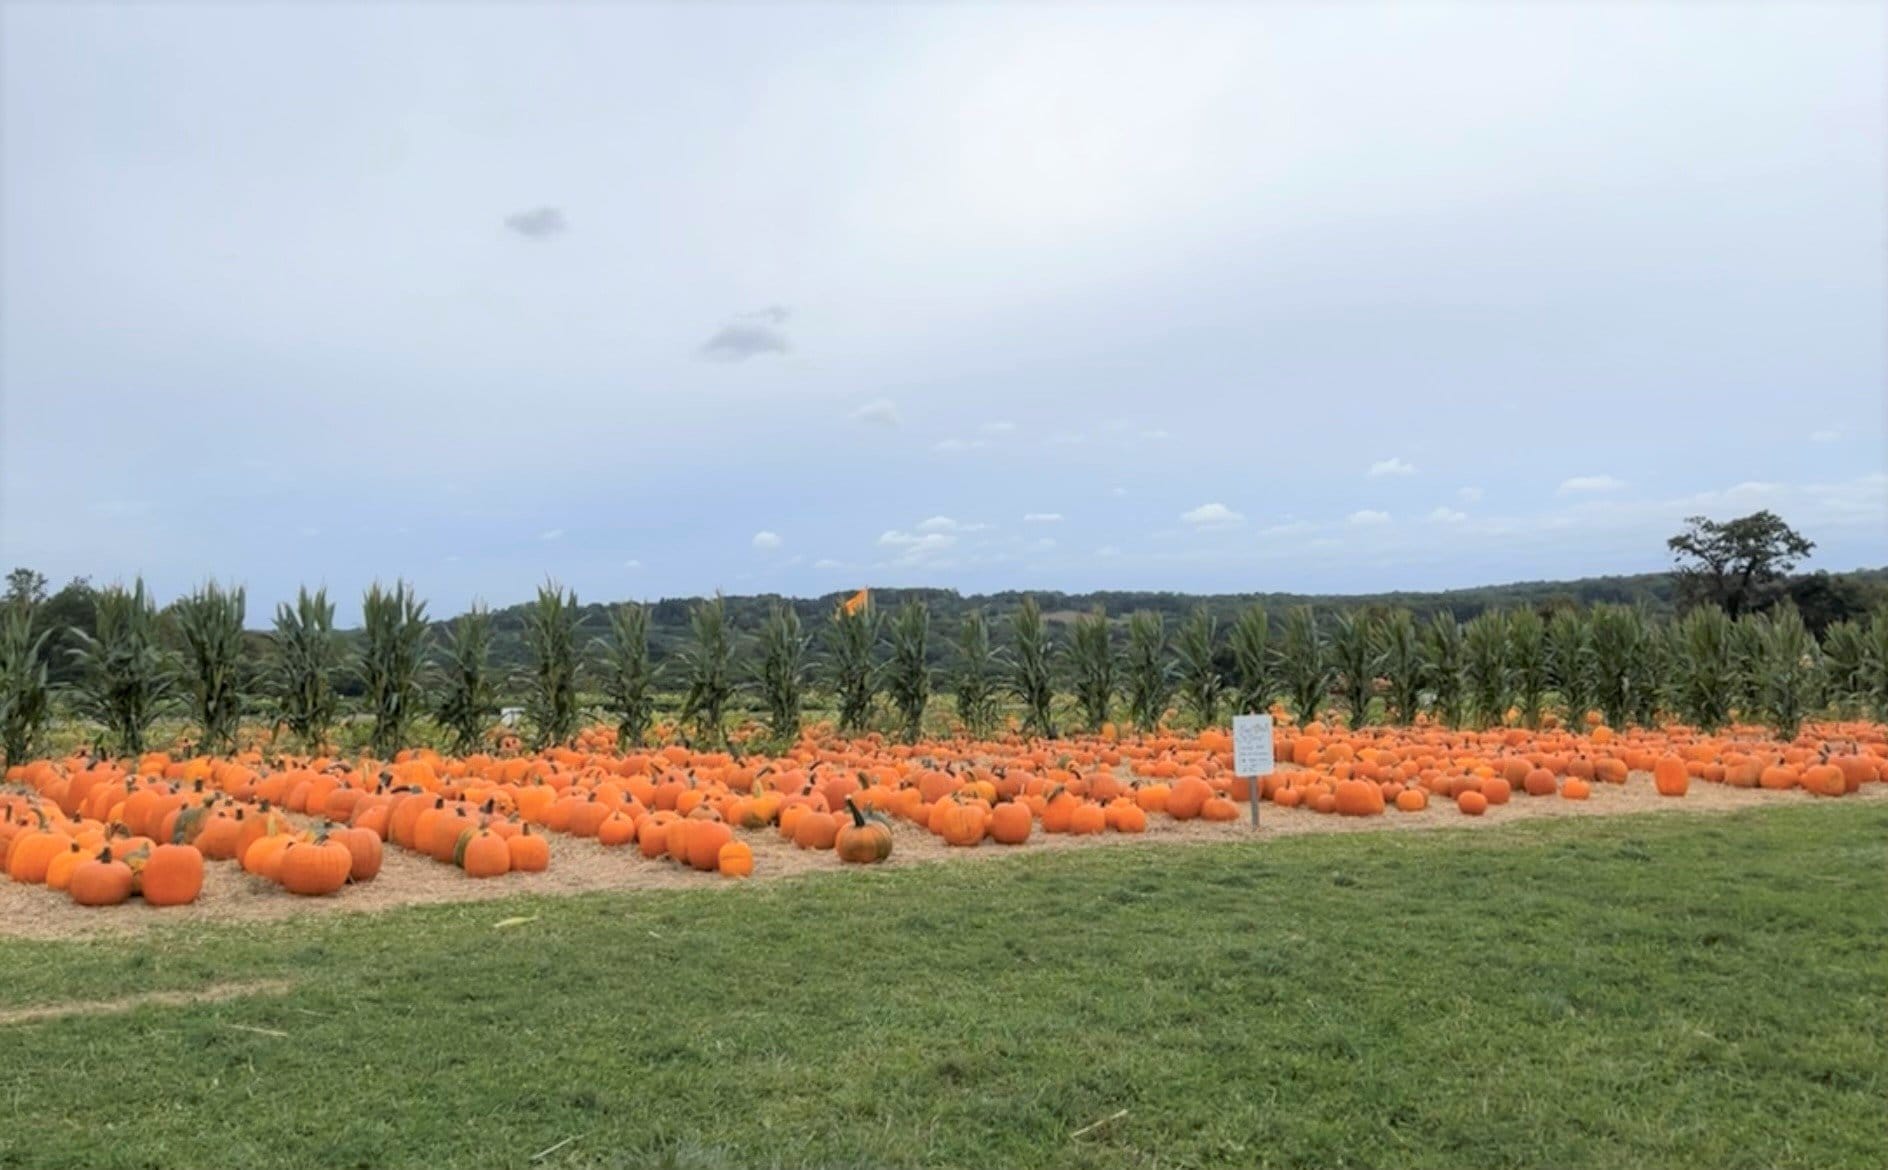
1614 663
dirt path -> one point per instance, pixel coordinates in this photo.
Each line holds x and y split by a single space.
214 993
581 866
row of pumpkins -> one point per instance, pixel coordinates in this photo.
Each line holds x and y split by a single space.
105 830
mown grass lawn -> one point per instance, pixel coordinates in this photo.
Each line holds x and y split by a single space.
1672 990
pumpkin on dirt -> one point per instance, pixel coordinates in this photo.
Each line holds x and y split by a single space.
102 881
866 841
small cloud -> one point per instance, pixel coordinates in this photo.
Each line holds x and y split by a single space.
1108 550
1117 492
1397 466
946 524
540 223
632 564
915 546
1157 433
1045 542
310 531
999 427
1442 514
1469 495
551 534
1211 516
958 446
880 412
828 563
739 340
1587 484
1824 436
1042 518
893 538
1067 439
767 541
775 314
1368 518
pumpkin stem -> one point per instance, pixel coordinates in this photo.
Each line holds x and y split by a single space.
858 818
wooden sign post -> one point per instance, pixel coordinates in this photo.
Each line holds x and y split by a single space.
1252 754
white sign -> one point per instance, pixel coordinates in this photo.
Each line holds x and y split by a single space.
509 716
1252 745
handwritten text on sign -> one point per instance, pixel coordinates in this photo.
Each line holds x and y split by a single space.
1251 745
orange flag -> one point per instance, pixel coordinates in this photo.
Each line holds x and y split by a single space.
855 603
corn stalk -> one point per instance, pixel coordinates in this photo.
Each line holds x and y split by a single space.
1527 655
1444 669
125 677
1032 667
1091 658
850 639
1845 666
1202 686
210 622
978 666
1874 686
301 676
1400 644
780 674
1706 669
393 647
708 664
1356 656
1747 652
1570 665
1255 669
1619 649
1791 671
1655 682
1149 677
1308 670
550 634
468 691
25 696
907 674
1485 664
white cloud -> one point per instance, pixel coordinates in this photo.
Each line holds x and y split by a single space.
1368 518
1001 426
880 412
1393 466
1156 433
947 524
1444 514
767 540
914 547
1067 439
632 564
828 563
1824 436
893 538
1212 516
1469 495
551 534
1042 518
958 446
1108 550
1583 484
1046 542
1117 492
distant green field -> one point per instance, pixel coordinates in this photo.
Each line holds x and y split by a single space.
1635 991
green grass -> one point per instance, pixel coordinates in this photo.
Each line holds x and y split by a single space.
1697 991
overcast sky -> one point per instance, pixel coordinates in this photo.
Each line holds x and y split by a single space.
659 300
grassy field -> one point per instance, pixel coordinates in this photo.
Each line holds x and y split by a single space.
1670 990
